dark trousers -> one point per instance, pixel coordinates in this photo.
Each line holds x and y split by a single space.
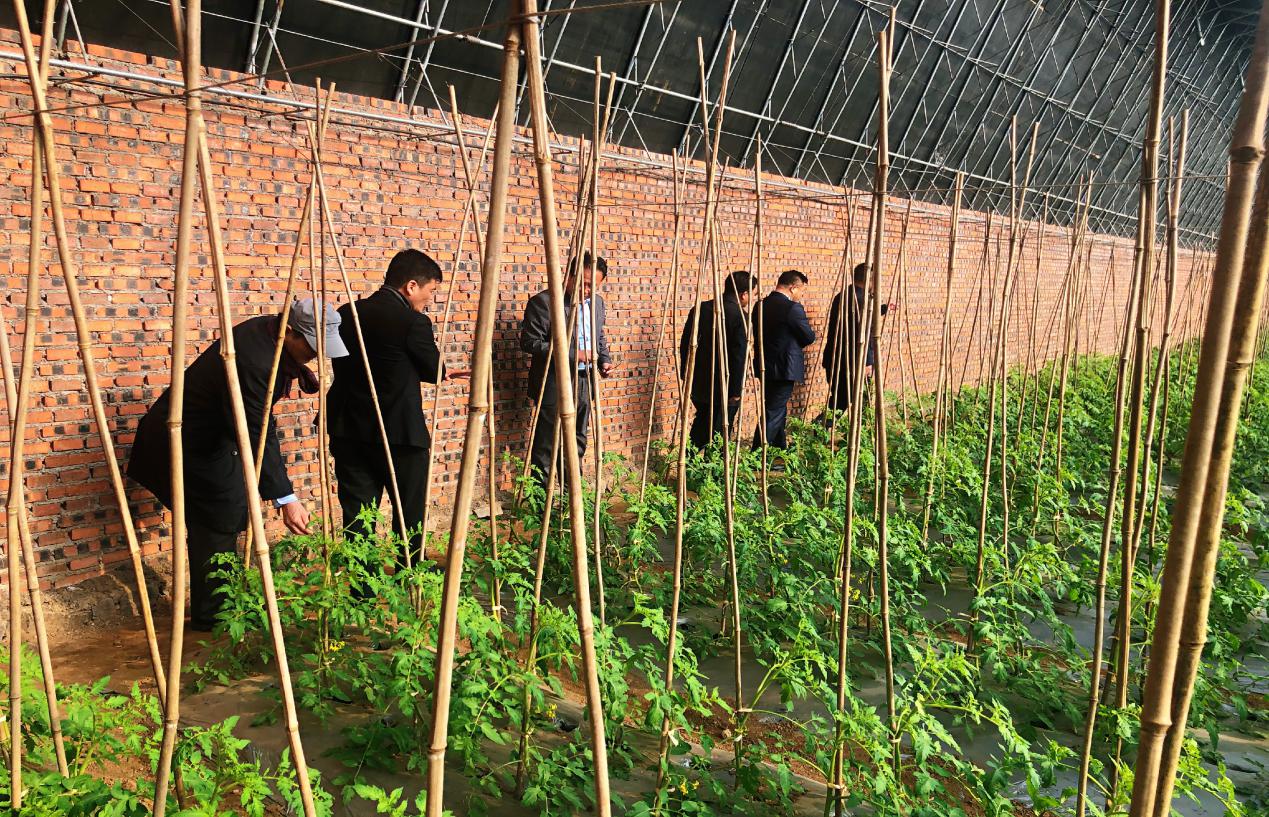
840 393
775 400
361 472
544 431
711 420
204 543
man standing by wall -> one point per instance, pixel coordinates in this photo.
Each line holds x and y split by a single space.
715 408
215 492
402 351
844 344
585 352
781 332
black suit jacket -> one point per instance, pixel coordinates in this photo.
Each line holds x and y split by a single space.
535 338
781 331
711 368
215 492
403 354
835 355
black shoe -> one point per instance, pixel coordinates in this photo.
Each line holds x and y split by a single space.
200 625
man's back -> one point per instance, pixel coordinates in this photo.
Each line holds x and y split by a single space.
402 352
782 330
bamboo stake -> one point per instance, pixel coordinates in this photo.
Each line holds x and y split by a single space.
596 403
944 351
70 276
667 313
229 355
879 404
469 212
567 408
478 407
1108 526
15 503
1163 366
1198 513
191 59
317 273
531 659
1031 369
685 399
1149 206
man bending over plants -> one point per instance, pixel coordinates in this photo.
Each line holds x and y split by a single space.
215 492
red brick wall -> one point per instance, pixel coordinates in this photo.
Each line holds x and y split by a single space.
394 185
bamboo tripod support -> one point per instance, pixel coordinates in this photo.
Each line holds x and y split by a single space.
478 408
1228 339
567 406
83 334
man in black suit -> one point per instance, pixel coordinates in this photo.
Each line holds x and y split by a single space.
781 332
716 405
585 351
402 352
844 348
215 491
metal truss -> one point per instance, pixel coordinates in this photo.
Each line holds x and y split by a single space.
964 69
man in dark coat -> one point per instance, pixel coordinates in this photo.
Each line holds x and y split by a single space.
215 491
781 332
402 352
584 352
716 405
843 345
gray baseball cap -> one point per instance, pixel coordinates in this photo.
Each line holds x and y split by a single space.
304 320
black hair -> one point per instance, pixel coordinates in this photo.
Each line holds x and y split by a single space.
738 283
600 265
411 265
861 270
791 277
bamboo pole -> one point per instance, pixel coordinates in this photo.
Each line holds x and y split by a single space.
1103 561
229 356
596 403
83 336
879 404
469 212
1149 205
940 395
667 315
531 658
191 59
19 532
685 399
478 407
567 407
1163 366
1198 512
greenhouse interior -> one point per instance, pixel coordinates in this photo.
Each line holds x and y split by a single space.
959 509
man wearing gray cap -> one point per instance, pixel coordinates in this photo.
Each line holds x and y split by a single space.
215 493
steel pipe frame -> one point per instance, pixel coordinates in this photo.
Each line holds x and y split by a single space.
273 40
642 85
819 117
689 122
409 55
255 37
425 62
904 163
775 80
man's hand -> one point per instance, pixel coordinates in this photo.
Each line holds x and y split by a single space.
584 356
605 369
458 374
735 401
295 517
